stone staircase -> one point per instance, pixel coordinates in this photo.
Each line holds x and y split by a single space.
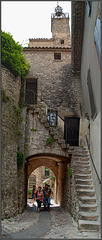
88 219
54 131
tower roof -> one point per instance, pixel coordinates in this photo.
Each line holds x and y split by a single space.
59 13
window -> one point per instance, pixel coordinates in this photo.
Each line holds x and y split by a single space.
31 91
47 172
57 56
62 41
91 96
97 37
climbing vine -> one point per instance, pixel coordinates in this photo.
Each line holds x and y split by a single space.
69 171
4 97
20 158
50 140
12 57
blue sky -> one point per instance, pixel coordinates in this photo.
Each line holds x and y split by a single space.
29 19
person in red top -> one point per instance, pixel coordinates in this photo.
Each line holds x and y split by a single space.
39 198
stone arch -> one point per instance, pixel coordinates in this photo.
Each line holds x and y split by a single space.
56 163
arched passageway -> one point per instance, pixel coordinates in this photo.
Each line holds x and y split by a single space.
57 164
39 177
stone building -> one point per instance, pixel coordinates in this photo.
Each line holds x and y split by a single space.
54 125
91 87
51 78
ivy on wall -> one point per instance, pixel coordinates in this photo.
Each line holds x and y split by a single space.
12 57
20 158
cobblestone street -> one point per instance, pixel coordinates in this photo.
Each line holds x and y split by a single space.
58 224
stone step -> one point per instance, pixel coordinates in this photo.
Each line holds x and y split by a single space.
61 141
63 146
84 181
80 163
83 176
85 192
80 159
84 186
87 199
92 216
56 137
88 225
85 152
79 155
87 207
46 125
43 120
81 171
81 167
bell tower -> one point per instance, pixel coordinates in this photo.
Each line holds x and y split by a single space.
60 28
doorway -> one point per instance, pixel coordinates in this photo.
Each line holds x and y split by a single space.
71 130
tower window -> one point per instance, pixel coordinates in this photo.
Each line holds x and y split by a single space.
57 56
62 41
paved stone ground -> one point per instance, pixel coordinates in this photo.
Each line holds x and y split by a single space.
58 224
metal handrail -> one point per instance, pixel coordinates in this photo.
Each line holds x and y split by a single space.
92 160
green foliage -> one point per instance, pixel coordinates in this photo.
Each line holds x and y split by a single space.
4 98
52 186
27 138
46 183
33 130
12 57
52 177
29 191
27 111
20 158
50 140
69 171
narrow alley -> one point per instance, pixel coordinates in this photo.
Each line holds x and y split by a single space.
57 224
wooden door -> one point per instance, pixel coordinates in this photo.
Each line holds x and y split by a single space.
71 131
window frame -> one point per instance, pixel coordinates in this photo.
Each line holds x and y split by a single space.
62 41
55 55
30 91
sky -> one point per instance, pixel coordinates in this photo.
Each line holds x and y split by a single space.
30 19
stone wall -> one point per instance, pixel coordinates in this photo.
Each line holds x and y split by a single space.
56 83
60 31
9 186
70 194
41 42
90 60
77 25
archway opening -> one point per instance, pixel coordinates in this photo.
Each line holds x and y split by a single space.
39 177
56 165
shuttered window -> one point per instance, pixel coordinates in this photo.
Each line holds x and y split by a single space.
91 96
97 37
31 91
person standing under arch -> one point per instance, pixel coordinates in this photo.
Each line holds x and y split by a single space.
47 192
39 197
